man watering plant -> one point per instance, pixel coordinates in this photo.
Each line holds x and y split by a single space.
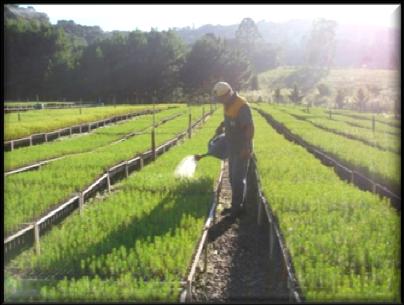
238 134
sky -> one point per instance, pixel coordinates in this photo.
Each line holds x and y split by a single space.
126 17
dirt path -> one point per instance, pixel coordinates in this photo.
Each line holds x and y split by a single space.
238 265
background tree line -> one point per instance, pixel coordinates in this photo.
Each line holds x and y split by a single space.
75 62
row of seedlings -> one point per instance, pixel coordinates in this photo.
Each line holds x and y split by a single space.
367 167
135 246
356 122
55 123
26 198
344 243
23 238
380 140
18 159
380 118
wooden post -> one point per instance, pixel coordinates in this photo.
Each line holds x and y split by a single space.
12 145
70 131
374 187
141 162
80 128
36 238
108 182
373 123
205 257
30 140
126 169
189 126
81 202
89 127
153 143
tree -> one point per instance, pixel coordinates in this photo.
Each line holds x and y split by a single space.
211 59
340 98
295 97
320 48
254 82
249 40
278 98
361 99
247 34
323 90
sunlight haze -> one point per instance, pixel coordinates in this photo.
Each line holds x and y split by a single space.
163 17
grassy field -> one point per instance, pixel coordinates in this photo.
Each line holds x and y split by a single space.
380 86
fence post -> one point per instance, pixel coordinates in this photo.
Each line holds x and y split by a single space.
36 238
108 182
81 202
153 144
30 140
373 123
189 126
70 131
205 257
126 169
141 163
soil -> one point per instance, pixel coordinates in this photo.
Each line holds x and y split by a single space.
238 266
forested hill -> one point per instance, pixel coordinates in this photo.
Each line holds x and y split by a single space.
73 61
356 46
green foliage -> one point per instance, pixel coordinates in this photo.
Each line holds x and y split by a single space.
344 243
340 98
295 97
64 177
211 59
379 139
361 99
48 120
321 43
380 165
278 98
83 143
136 244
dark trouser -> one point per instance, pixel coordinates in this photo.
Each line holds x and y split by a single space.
238 169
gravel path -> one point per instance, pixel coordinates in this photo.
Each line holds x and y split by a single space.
238 265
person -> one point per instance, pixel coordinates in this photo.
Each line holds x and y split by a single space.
238 127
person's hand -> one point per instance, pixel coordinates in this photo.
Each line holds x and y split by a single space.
245 153
198 157
219 130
